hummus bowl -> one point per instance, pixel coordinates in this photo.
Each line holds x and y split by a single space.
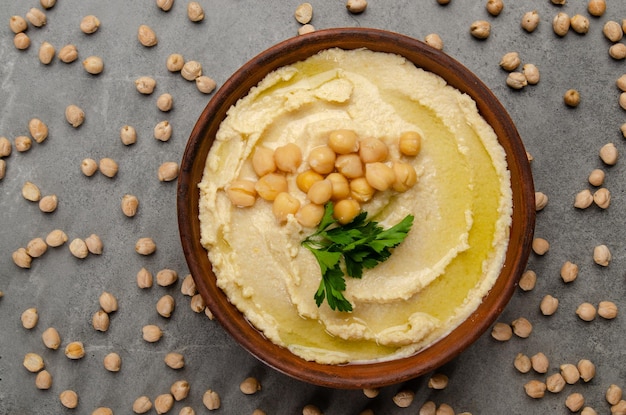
472 228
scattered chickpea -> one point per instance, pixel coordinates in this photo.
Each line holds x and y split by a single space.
609 154
21 258
43 380
480 29
586 312
602 198
180 390
108 167
587 410
5 147
541 200
33 362
510 61
129 205
250 386
535 389
555 383
78 248
540 246
168 171
569 271
23 143
74 115
516 80
152 333
163 403
18 24
51 338
175 62
575 402
356 6
75 350
304 13
165 5
522 327
195 13
531 73
579 24
100 321
587 369
191 70
612 31
3 168
404 398
621 83
188 286
602 255
571 98
528 280
146 36
307 28
142 405
371 392
570 373
128 135
434 40
548 305
21 41
197 304
29 318
46 53
211 400
163 130
494 7
174 360
166 277
596 177
165 306
36 247
103 410
145 85
530 21
93 65
428 408
502 332
438 381
540 363
522 363
622 100
31 192
94 244
38 130
561 24
607 310
596 8
89 24
68 54
69 399
165 102
618 51
89 167
144 278
36 17
108 302
188 410
583 199
613 394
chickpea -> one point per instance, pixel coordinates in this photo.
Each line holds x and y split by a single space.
480 29
580 24
380 176
285 205
322 159
405 176
343 141
410 143
270 185
494 7
242 193
346 210
530 21
175 62
18 24
349 165
596 177
372 150
263 161
571 98
310 215
434 40
21 41
320 192
288 157
361 190
306 179
596 7
341 186
561 24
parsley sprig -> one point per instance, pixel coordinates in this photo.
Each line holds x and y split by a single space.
353 246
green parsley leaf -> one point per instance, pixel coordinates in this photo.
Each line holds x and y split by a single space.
354 246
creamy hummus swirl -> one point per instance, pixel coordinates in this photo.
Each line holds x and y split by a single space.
462 207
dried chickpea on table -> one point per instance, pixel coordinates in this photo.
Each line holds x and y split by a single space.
98 314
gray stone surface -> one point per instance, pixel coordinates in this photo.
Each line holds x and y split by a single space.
65 290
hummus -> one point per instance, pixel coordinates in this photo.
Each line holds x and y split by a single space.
462 206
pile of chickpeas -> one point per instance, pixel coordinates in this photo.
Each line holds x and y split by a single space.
347 170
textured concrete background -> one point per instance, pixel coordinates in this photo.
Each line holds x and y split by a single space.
65 290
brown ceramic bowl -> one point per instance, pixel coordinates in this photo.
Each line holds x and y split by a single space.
379 373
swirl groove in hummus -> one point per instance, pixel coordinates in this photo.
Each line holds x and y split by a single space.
462 206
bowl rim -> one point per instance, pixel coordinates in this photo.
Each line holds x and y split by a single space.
357 375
